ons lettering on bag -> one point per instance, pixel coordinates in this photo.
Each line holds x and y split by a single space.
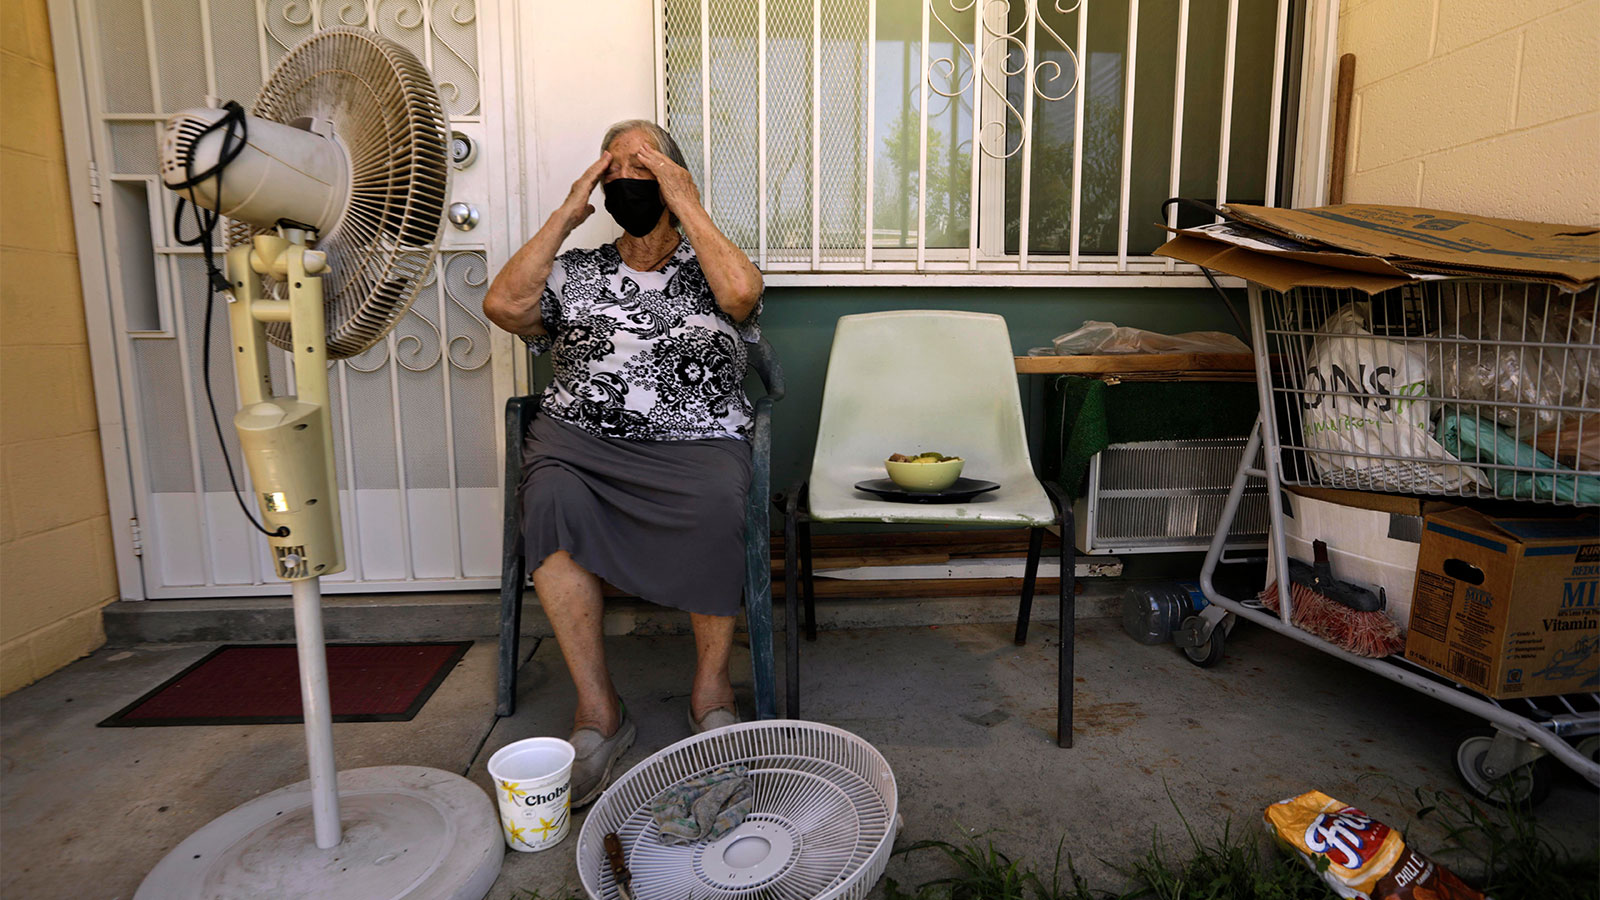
1374 388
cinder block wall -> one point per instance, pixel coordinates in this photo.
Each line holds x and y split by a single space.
1484 106
56 569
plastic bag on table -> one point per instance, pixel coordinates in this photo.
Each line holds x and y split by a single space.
1365 397
1109 338
1483 362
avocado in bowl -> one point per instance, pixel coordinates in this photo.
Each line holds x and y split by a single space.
930 471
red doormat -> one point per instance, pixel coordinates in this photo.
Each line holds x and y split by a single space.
259 684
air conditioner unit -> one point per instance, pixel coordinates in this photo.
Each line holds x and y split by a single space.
1167 496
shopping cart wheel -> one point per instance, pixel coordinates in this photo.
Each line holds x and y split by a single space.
1204 654
1590 747
1526 785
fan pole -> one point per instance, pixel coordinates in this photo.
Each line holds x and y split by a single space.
308 637
311 385
288 443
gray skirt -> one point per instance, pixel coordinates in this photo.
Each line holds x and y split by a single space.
661 520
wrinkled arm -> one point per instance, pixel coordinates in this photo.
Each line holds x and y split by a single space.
735 281
513 300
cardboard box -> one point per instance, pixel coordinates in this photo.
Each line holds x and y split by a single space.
1255 255
1372 539
1508 606
1370 247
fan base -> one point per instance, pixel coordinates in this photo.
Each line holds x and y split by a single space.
408 832
752 854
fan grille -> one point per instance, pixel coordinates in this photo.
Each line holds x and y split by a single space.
385 110
825 788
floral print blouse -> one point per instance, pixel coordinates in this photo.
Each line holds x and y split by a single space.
643 355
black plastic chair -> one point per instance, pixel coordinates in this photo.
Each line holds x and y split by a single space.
758 540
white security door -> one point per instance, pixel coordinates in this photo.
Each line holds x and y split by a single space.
416 418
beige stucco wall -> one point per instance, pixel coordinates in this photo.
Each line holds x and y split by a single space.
1483 106
56 569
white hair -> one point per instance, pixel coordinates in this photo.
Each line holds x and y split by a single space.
657 135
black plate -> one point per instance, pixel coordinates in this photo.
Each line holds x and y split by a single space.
964 489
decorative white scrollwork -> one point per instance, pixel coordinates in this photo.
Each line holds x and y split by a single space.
1015 57
466 273
949 62
451 50
410 355
457 15
377 354
286 23
473 271
409 349
352 13
1055 67
463 14
407 15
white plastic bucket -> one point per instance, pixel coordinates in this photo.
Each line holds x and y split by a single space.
533 784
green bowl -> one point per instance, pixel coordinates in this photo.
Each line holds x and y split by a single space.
924 476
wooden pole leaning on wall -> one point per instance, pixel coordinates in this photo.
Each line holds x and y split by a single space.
1341 126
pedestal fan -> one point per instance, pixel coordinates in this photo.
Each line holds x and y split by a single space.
336 183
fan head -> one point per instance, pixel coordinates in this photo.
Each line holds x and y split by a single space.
821 826
375 101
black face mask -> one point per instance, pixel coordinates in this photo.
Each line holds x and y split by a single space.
635 203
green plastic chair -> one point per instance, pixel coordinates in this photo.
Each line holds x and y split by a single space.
913 381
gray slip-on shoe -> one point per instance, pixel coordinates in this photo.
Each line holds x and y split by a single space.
721 717
596 757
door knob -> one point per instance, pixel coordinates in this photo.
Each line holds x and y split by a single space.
463 216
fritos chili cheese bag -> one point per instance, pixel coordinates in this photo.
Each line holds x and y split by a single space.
1367 860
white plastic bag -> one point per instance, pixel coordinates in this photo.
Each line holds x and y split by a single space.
1108 337
1368 395
1486 359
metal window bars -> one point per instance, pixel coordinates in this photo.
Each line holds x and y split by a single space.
1452 388
783 108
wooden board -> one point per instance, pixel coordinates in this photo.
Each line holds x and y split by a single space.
952 543
831 551
943 587
1193 364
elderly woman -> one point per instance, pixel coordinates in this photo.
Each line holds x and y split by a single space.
636 468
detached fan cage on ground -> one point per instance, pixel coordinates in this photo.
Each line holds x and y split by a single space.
821 824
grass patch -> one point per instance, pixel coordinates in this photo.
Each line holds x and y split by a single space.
985 873
1518 858
1231 868
1505 853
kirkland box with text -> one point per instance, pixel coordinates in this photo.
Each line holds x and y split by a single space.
1508 606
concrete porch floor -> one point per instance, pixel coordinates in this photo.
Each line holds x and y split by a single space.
965 718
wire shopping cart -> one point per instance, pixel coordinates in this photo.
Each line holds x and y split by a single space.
1448 388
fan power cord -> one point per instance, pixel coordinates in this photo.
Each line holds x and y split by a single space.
234 135
1238 320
